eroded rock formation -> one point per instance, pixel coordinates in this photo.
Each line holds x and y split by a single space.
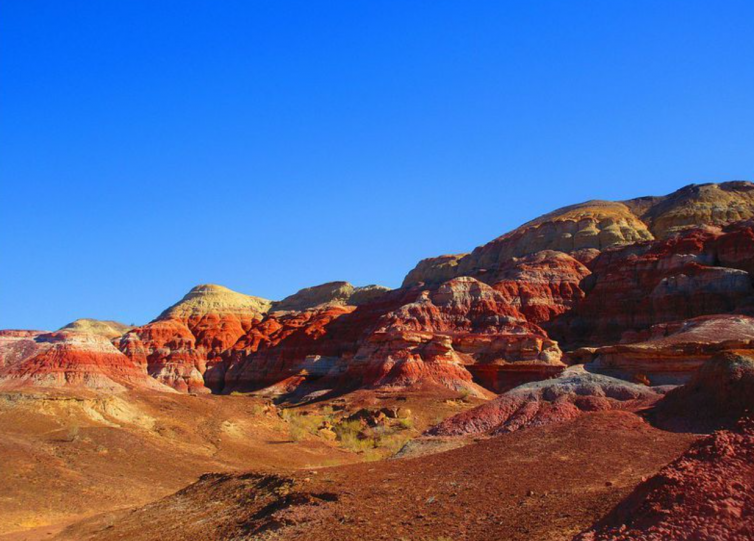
76 359
669 353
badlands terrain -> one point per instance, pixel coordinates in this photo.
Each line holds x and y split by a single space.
587 376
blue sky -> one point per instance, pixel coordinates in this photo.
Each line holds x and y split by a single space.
148 146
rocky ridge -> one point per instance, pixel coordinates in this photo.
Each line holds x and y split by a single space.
628 280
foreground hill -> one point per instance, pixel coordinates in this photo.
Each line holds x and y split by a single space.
542 484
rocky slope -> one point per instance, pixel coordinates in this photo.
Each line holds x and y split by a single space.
598 225
707 493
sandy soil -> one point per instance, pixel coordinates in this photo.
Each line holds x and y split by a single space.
539 484
68 456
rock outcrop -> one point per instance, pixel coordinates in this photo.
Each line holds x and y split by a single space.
541 286
462 331
707 493
719 394
635 287
557 400
17 345
669 353
461 334
331 293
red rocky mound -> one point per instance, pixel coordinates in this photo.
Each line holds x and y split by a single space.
571 395
706 494
179 346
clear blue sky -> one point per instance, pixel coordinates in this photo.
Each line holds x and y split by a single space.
148 146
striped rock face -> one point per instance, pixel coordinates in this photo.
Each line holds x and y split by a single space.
76 360
699 272
190 336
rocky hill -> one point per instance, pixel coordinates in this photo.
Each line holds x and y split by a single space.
605 277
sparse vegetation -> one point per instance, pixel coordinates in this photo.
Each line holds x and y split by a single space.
367 432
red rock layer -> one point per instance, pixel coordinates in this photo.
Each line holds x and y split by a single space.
284 350
542 286
70 359
462 331
707 493
454 335
189 338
